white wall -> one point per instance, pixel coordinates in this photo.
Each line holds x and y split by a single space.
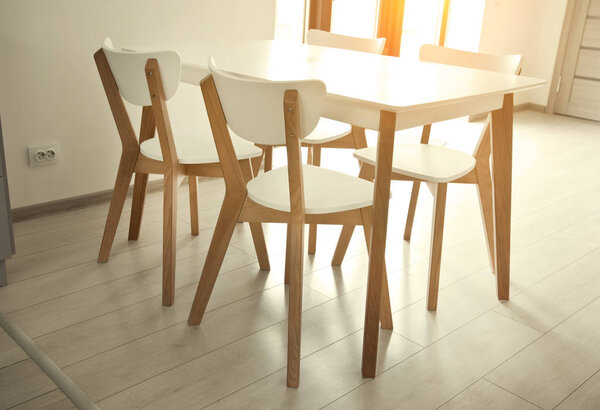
464 24
528 27
50 90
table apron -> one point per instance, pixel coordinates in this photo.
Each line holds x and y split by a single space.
362 115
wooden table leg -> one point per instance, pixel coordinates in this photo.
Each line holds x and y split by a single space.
502 136
383 173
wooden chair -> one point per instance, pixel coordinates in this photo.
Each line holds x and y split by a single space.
276 113
149 79
439 166
329 133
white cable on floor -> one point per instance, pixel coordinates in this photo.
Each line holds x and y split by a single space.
60 378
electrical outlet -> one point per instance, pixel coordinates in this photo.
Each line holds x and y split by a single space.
43 154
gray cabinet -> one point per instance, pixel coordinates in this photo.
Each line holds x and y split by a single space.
7 241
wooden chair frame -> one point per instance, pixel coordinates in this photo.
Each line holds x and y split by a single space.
479 176
237 207
156 118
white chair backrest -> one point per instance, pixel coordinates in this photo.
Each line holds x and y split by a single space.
254 108
509 64
128 68
327 39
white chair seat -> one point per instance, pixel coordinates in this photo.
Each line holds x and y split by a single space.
425 162
198 149
325 191
327 130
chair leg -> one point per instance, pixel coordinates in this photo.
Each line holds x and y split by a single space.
137 205
342 245
414 195
385 308
268 152
486 201
124 174
359 137
230 211
288 255
435 259
295 301
193 185
171 184
412 207
256 161
312 229
366 172
258 236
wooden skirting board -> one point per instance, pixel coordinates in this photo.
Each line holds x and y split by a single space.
518 107
61 205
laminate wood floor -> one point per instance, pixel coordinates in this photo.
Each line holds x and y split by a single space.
104 325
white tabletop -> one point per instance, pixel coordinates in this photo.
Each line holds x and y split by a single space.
384 82
360 85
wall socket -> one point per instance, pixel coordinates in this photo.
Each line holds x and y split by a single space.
43 154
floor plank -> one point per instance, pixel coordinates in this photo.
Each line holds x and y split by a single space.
63 257
54 400
586 397
552 300
421 326
204 380
58 313
22 381
486 395
437 373
548 370
125 366
334 367
10 352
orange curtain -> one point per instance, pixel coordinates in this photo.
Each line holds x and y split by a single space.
391 16
444 23
320 15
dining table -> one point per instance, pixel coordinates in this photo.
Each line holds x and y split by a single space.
386 94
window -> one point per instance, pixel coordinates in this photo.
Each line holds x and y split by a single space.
290 18
421 21
465 18
354 17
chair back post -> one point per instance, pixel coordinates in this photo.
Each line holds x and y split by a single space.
294 154
425 134
161 113
232 174
148 125
116 103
